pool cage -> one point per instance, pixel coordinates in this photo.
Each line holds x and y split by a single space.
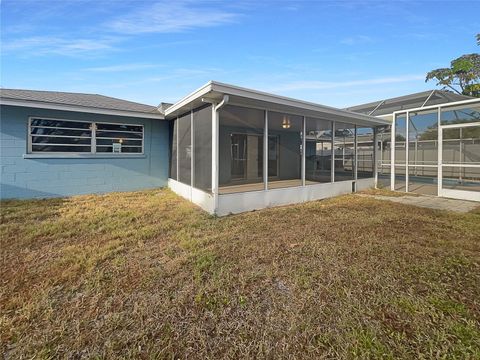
432 150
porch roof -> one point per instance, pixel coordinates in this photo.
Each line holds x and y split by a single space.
214 92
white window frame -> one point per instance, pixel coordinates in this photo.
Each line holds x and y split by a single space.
93 137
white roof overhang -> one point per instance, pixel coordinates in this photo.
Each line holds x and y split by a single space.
215 91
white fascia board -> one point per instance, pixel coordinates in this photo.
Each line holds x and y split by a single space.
50 106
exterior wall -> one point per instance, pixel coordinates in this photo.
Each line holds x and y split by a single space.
53 177
256 200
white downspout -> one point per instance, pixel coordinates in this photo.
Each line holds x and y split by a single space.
215 147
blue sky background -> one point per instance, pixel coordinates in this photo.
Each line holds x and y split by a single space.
335 53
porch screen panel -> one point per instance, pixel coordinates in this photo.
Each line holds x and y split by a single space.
400 139
184 149
173 149
344 151
241 137
318 150
202 154
384 154
285 144
365 153
460 115
423 152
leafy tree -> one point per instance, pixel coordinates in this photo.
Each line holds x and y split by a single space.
463 75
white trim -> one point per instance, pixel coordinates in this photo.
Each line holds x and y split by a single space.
393 130
332 152
407 150
460 125
265 152
304 141
78 108
439 153
463 165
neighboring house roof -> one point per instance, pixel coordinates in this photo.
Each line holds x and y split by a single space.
77 102
214 92
424 98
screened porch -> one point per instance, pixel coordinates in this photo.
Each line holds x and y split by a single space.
232 153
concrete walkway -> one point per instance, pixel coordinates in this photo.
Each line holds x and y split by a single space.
431 202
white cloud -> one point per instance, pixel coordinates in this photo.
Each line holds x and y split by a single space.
42 45
170 16
122 67
357 39
323 85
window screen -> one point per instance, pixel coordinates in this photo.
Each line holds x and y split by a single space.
68 136
202 125
184 153
47 135
173 149
113 138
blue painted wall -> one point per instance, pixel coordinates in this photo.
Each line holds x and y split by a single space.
53 177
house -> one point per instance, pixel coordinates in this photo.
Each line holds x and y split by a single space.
226 148
59 144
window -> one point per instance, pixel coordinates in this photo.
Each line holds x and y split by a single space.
83 137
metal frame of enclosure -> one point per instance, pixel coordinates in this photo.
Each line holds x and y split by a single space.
433 150
235 149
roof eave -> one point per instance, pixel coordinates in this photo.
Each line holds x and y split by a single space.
213 87
78 108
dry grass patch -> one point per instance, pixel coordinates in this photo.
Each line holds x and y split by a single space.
148 275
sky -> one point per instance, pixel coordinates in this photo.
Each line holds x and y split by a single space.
337 53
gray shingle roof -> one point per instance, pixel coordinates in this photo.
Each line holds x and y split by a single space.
388 106
77 99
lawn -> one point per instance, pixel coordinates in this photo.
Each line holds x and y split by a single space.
148 275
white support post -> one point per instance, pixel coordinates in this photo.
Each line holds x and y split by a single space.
439 154
178 153
192 150
265 152
355 154
332 152
392 152
407 126
94 138
375 156
304 141
215 160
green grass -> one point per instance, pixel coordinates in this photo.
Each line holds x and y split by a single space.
148 275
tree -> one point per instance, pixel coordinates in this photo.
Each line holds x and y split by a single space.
462 77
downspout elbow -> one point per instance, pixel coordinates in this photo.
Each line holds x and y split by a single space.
224 101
